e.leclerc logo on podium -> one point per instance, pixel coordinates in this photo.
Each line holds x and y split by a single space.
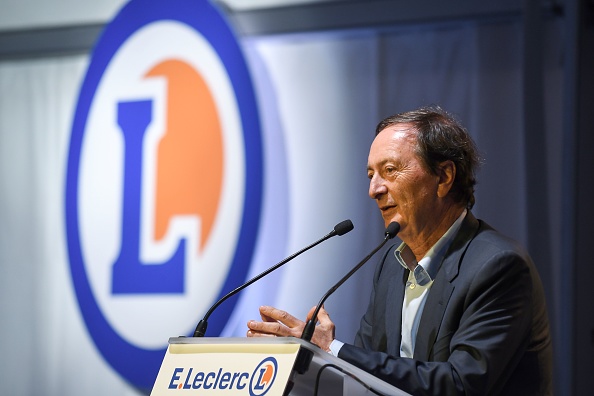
258 383
164 180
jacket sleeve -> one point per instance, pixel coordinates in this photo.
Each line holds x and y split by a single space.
485 331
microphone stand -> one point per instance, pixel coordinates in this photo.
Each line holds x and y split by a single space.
340 229
310 326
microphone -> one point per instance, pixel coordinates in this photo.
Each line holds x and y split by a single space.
391 231
339 229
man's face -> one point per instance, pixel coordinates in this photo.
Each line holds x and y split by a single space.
402 187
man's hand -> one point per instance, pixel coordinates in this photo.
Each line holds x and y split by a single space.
278 323
275 323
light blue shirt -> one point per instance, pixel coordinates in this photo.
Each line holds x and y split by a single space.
417 287
419 282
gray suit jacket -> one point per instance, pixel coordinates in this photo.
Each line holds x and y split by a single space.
484 329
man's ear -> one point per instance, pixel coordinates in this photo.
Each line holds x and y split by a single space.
447 174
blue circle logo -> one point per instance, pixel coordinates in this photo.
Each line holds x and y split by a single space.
164 180
263 377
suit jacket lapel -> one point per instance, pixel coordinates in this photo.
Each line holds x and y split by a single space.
442 289
394 310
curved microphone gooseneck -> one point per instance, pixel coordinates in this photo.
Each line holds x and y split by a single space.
310 326
340 229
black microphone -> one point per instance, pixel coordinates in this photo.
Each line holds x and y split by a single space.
310 326
340 229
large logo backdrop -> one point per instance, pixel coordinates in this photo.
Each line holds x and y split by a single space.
164 180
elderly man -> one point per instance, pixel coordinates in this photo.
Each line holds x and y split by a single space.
457 308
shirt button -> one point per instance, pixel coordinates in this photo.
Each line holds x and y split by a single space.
412 285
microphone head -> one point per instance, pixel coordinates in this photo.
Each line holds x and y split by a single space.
392 229
343 227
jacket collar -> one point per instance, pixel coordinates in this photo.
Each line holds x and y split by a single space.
442 288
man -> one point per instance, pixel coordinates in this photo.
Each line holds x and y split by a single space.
457 308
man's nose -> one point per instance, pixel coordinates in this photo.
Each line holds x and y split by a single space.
377 187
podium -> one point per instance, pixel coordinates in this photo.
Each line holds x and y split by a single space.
260 366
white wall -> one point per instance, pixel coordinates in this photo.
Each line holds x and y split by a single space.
30 14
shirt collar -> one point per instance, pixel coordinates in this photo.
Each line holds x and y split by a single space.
426 269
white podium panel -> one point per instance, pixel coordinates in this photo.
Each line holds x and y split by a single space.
225 366
260 366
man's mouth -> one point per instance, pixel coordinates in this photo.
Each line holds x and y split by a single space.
387 208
